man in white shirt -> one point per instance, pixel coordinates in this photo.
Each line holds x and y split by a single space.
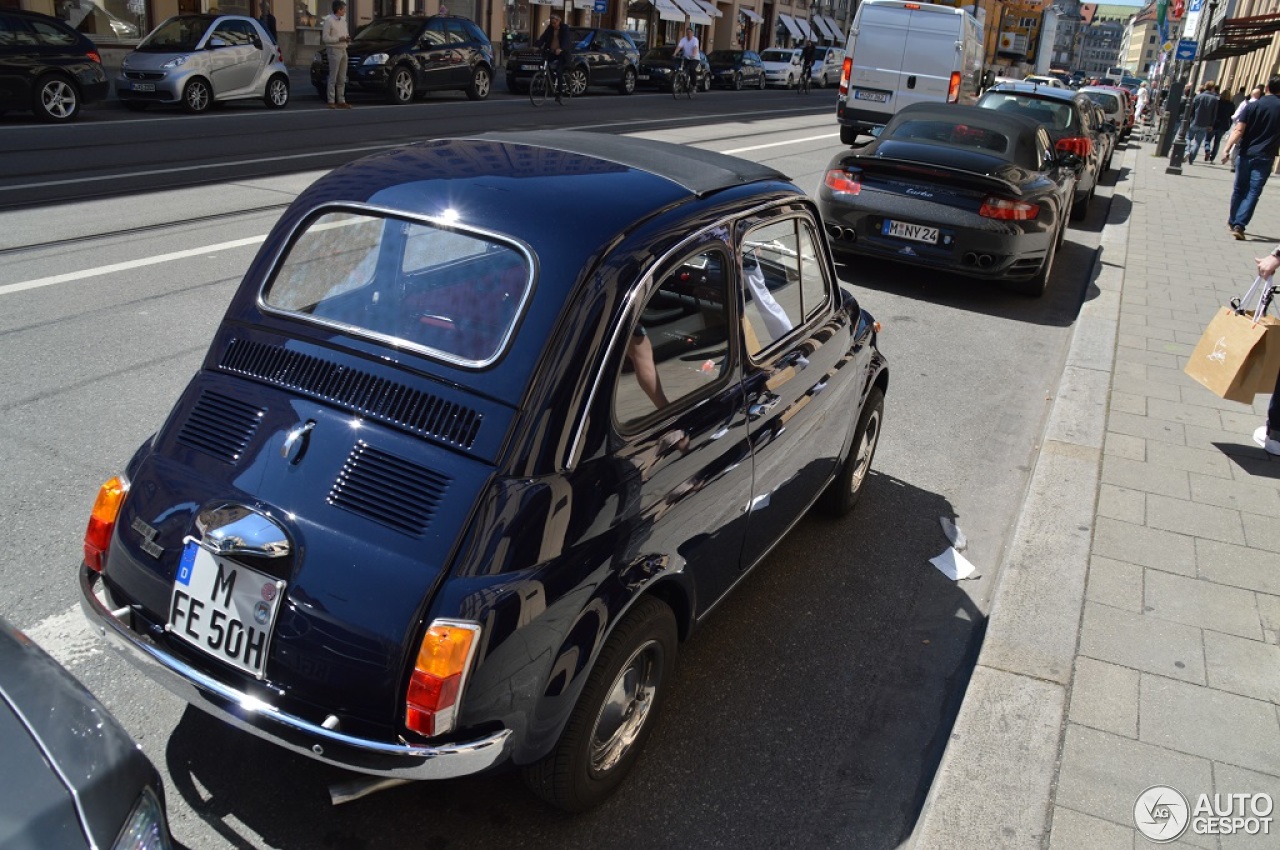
687 51
335 37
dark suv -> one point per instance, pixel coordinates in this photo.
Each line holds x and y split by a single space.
46 67
402 57
598 58
1073 125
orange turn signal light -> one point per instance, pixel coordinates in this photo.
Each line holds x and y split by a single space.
102 520
439 673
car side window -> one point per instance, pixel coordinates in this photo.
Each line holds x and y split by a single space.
14 32
236 33
680 344
52 36
434 36
454 32
784 284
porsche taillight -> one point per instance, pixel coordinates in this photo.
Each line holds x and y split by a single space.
102 520
1081 146
953 89
839 180
439 673
1007 209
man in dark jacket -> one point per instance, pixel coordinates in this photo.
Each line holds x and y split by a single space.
1204 112
554 43
1221 124
1258 135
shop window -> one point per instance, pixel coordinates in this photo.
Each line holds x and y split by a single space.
106 21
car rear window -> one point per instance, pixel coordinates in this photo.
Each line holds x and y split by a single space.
961 135
1054 115
1107 101
452 293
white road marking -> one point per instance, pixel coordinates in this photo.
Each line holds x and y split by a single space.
68 637
779 144
129 264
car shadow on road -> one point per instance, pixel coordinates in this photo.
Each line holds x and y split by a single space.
811 711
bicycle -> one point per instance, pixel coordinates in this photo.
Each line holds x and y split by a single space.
544 83
681 84
802 84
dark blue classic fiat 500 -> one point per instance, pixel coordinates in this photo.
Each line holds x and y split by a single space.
465 461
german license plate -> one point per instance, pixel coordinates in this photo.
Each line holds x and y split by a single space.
144 87
225 609
875 96
530 67
914 232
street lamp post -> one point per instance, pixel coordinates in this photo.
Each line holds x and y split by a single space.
1179 148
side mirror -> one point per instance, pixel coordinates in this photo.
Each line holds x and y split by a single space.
215 43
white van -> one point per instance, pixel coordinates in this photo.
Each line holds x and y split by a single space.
901 52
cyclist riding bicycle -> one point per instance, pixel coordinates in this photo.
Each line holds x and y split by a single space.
806 61
687 52
554 42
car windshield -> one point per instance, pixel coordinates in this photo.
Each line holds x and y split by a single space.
402 31
176 35
777 55
1107 101
724 56
1056 115
660 53
456 295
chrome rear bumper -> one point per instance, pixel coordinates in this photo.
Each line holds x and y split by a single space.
378 758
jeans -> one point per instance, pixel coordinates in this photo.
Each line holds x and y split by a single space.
337 74
1215 138
1251 175
1195 137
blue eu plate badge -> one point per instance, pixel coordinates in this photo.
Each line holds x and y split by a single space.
188 562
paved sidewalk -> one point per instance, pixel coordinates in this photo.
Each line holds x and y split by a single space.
1133 638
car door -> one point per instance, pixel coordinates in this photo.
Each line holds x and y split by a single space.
457 40
17 62
234 55
684 457
434 56
604 65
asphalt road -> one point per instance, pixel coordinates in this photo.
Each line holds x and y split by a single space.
812 708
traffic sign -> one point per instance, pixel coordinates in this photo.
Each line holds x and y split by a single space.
1167 46
602 6
1186 50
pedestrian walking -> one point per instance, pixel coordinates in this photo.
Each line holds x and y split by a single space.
268 22
1235 116
335 36
1204 112
1221 125
1268 435
1257 134
1143 97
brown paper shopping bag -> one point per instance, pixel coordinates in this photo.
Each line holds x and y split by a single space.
1237 358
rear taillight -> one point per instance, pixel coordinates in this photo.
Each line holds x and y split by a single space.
1006 209
102 521
439 673
94 56
953 90
839 180
846 71
1081 146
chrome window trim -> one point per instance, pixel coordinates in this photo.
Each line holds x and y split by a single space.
396 342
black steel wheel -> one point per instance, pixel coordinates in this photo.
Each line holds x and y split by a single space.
615 713
841 495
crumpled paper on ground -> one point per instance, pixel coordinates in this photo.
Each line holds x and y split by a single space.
955 566
954 534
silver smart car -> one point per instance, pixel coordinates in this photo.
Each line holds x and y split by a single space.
196 60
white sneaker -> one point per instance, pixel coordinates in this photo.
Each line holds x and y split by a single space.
1270 446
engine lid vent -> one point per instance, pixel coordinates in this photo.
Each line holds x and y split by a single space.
388 489
220 426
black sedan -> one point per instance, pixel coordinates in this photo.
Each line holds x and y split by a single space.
658 67
457 476
1073 125
957 188
737 69
46 67
72 776
405 57
599 57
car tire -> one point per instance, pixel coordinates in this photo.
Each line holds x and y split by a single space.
737 82
791 80
763 83
1080 209
136 105
481 83
401 87
1036 286
55 99
277 93
577 82
848 135
841 495
628 84
197 97
630 677
706 83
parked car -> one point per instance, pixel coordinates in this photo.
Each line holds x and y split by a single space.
828 64
404 57
1072 124
1045 80
457 476
1117 104
46 67
600 58
959 188
639 39
197 60
781 66
657 67
72 775
736 69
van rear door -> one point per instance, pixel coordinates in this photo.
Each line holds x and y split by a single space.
878 45
933 53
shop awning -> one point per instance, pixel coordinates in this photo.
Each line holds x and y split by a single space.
668 10
710 8
694 11
820 24
1238 36
751 15
805 29
790 24
835 29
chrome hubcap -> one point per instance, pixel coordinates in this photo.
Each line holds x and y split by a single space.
866 448
404 86
58 99
482 83
626 707
197 96
279 93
